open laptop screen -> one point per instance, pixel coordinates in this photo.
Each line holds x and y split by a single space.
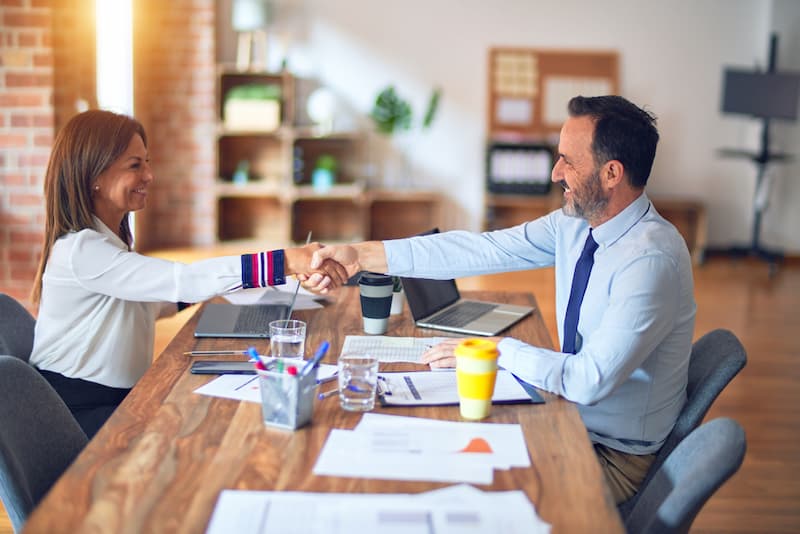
426 296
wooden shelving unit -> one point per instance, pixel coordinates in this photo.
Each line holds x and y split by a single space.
279 205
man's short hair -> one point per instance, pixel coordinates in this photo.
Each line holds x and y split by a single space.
622 131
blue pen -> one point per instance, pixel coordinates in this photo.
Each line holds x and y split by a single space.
313 362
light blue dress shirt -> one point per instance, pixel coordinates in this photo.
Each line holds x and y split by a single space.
636 324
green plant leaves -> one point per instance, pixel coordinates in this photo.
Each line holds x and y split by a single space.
391 112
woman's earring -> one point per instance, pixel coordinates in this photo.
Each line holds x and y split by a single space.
97 188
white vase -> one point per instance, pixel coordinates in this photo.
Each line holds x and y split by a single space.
398 298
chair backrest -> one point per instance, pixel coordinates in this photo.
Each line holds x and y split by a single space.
698 466
716 358
16 328
39 438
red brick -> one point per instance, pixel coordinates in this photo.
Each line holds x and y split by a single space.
15 100
12 3
24 19
27 39
22 199
13 140
43 141
32 160
14 79
21 121
8 179
42 60
21 236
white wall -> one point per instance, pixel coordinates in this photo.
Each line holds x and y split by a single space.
672 54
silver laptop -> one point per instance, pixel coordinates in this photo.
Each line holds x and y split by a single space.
438 304
233 320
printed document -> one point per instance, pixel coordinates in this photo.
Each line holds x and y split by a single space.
450 510
391 348
429 388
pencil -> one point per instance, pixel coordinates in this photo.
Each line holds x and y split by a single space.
214 352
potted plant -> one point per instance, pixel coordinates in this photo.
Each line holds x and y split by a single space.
398 297
393 114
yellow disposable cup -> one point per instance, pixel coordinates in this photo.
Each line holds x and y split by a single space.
476 371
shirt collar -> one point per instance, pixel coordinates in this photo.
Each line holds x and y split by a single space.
101 227
607 233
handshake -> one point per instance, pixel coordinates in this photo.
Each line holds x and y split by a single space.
321 268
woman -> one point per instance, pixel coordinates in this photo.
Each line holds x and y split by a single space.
99 300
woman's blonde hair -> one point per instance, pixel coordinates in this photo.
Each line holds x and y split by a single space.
84 148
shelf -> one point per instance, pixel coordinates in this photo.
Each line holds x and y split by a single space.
278 204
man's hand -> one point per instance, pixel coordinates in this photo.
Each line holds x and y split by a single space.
344 255
326 275
443 355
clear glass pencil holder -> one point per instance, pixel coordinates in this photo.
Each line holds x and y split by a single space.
287 401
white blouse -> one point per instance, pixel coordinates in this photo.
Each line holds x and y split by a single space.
100 302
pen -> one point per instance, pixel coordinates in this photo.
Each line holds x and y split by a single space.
313 362
323 396
351 387
215 352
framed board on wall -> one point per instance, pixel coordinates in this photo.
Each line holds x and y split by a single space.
529 88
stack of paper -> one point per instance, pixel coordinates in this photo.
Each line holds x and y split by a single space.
411 448
453 510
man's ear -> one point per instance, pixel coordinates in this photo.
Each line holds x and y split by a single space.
613 173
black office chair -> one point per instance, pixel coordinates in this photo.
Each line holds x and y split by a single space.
39 438
716 358
16 328
691 474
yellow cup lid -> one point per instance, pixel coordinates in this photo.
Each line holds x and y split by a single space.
484 349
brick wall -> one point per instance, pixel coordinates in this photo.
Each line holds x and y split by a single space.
47 64
175 87
26 133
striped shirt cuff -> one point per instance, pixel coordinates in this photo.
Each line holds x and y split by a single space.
263 269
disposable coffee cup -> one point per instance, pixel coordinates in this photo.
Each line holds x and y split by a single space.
476 372
376 301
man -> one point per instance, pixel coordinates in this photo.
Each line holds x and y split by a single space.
627 332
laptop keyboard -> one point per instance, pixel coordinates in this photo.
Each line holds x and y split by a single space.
461 314
257 318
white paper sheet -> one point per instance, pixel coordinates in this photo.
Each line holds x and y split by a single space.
364 455
453 510
306 300
390 348
245 387
506 441
424 388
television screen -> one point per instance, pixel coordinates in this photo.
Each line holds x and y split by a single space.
770 95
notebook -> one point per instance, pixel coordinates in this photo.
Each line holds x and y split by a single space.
438 304
233 320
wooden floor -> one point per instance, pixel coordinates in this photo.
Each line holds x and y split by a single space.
764 496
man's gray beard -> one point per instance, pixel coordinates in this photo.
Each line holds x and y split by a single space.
587 208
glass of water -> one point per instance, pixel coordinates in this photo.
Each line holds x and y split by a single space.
358 380
287 338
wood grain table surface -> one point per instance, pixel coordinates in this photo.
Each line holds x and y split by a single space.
160 462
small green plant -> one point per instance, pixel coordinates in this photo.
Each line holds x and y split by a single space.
392 113
397 284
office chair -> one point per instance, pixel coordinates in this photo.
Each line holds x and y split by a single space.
698 466
716 358
16 328
39 438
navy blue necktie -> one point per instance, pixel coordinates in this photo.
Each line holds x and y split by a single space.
579 282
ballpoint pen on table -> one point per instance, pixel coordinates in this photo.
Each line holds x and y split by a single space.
351 387
323 396
216 352
313 362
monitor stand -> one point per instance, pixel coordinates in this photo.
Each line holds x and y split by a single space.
762 158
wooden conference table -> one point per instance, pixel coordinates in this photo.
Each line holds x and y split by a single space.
162 459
